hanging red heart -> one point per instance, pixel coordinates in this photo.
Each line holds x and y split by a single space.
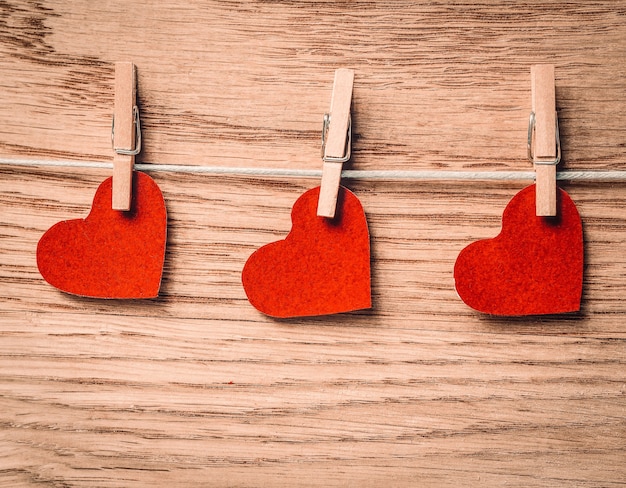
109 254
534 267
322 267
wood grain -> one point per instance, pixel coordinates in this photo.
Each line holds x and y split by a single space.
545 137
337 142
124 135
196 388
438 84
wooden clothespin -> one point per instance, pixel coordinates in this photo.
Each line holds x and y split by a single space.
336 141
126 134
543 138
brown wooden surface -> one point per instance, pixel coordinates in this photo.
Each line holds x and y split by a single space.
196 388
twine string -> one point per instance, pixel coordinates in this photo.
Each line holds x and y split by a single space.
570 175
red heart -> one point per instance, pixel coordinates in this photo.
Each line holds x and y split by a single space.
322 267
534 266
110 254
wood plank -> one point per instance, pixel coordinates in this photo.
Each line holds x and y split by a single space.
197 385
417 230
197 388
223 83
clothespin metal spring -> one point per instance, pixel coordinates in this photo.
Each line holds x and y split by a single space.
348 151
530 145
137 122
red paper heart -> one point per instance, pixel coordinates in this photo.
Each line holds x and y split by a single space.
322 267
533 267
110 254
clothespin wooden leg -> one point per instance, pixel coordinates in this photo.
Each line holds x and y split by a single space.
544 151
125 126
336 149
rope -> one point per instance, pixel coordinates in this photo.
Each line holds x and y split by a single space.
349 174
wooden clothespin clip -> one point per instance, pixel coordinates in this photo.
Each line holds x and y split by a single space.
336 141
544 147
125 134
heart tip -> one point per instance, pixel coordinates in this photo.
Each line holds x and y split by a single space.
528 313
105 296
294 314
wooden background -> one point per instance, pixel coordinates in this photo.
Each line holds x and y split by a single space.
197 388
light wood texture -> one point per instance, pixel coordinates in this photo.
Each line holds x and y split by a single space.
545 197
544 147
335 142
438 86
196 388
124 135
329 189
543 106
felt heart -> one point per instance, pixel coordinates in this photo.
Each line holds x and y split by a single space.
322 267
110 254
533 267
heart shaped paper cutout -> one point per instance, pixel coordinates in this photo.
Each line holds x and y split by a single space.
322 267
109 254
533 267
